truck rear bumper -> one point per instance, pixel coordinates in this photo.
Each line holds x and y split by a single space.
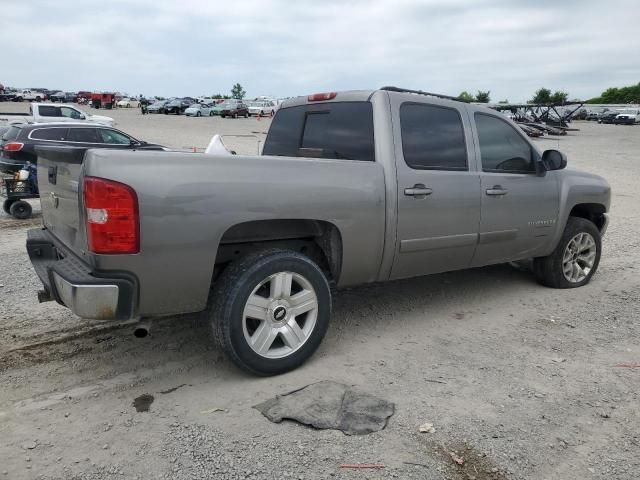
72 283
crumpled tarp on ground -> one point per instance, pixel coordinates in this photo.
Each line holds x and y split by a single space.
330 405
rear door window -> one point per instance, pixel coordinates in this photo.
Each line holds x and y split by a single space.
331 130
83 135
432 137
52 134
49 111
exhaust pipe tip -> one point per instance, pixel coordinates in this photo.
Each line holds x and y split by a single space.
141 331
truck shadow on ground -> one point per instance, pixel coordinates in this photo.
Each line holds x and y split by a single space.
359 310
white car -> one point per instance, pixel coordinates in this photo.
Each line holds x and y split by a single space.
128 103
261 108
199 110
206 100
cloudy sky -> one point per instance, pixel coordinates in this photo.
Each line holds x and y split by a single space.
287 47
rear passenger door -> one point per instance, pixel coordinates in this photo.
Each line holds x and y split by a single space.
438 188
519 207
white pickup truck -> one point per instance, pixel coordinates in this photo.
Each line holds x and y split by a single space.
29 95
47 112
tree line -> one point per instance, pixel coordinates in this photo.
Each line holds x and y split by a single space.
546 97
629 94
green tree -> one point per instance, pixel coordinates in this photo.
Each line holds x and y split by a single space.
466 97
483 97
543 95
238 92
559 97
630 94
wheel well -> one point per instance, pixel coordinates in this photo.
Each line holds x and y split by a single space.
590 211
319 240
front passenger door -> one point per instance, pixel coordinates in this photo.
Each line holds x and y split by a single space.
519 208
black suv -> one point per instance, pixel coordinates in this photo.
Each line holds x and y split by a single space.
177 106
17 145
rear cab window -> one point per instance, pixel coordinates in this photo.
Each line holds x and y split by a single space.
339 130
11 134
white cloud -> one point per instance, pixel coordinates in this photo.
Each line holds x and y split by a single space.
287 48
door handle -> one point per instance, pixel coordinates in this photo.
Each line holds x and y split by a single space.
418 190
497 190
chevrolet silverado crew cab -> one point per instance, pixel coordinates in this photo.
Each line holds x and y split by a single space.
351 188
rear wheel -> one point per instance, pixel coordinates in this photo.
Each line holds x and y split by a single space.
235 115
20 210
198 114
574 260
270 311
6 206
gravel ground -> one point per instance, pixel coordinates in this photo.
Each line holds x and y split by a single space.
519 381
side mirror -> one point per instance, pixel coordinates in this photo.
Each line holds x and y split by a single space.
554 160
83 116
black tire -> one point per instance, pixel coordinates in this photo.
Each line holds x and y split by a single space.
261 114
20 210
229 297
211 114
549 270
221 116
198 114
235 115
6 206
38 99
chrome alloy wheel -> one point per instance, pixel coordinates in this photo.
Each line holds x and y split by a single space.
578 258
280 315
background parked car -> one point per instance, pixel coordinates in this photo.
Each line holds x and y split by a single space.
17 145
128 102
158 106
609 117
234 110
262 108
178 106
199 110
625 119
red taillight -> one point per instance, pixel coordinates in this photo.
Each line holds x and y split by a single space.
113 224
13 146
318 97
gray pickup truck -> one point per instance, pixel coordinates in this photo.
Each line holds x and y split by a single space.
351 188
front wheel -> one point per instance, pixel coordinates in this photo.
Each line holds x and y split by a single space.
270 311
574 260
20 210
198 114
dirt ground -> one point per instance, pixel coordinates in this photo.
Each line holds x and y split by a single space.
519 381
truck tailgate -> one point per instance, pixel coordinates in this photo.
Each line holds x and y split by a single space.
59 170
